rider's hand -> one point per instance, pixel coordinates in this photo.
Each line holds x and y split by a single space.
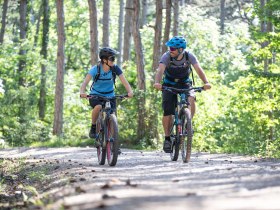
130 94
158 86
207 86
83 95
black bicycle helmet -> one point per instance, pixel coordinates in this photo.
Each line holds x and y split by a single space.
106 52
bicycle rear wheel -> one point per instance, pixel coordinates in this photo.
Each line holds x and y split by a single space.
112 145
101 149
186 143
175 140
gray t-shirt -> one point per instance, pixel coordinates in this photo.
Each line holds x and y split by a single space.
180 70
165 59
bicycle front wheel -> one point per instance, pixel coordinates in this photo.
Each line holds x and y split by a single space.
112 146
175 140
187 131
101 148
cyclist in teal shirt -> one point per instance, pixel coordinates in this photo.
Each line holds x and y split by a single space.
103 76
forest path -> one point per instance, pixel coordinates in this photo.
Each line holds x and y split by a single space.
149 180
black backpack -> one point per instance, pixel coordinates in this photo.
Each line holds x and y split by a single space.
187 58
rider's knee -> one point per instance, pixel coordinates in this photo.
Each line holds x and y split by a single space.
98 107
191 100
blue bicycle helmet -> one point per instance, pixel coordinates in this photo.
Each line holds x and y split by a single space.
177 42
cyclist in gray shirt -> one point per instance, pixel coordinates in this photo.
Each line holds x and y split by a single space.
175 65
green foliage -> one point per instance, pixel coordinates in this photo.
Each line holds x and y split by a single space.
251 123
238 115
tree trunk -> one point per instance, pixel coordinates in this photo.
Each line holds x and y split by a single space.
23 28
153 118
3 21
93 32
144 13
157 37
264 30
222 16
176 17
44 53
120 39
59 89
106 12
140 72
167 25
127 29
38 25
270 28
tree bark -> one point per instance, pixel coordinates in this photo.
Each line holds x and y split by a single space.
44 53
140 72
176 17
38 25
22 51
93 32
3 21
127 29
106 22
153 118
120 39
59 89
167 25
157 37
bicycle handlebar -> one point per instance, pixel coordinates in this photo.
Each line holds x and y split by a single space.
177 90
107 98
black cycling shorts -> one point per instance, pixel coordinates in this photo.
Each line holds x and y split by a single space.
94 101
169 100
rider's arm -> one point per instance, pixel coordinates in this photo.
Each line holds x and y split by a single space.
126 85
202 76
84 85
158 77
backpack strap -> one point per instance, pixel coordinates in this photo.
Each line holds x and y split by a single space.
190 66
96 76
114 75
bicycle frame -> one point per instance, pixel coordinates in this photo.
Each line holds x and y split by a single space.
182 104
181 123
107 131
103 118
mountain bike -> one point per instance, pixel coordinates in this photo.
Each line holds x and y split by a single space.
182 124
107 142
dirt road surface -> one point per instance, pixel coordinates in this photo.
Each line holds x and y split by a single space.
149 180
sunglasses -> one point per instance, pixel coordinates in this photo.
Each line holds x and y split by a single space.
111 58
172 48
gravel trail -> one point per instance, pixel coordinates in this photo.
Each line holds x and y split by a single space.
149 180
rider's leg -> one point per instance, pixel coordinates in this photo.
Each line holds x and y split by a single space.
192 105
96 107
168 104
95 113
94 116
167 123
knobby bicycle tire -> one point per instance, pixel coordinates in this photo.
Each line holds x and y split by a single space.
175 139
112 145
189 131
101 149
